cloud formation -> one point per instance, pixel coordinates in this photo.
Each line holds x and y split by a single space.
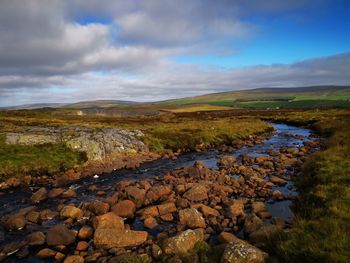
69 50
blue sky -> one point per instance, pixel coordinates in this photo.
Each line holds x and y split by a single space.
73 50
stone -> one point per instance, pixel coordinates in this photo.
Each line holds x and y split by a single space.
47 214
98 207
124 208
55 192
150 222
157 192
226 162
226 237
166 208
136 195
60 235
149 211
191 218
74 259
85 232
236 209
206 210
15 222
33 217
156 251
70 193
36 238
70 211
278 181
39 195
109 221
239 251
46 253
258 207
197 193
182 242
110 238
82 246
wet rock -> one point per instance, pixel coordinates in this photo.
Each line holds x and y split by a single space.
23 252
197 193
226 162
206 210
183 242
39 195
33 217
157 192
276 194
239 251
191 218
136 195
125 209
55 192
15 222
36 238
70 193
252 223
12 248
71 212
226 237
47 214
85 232
60 235
278 181
236 209
98 207
150 222
46 253
74 259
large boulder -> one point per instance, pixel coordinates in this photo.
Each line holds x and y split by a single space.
183 242
197 193
191 218
60 235
239 251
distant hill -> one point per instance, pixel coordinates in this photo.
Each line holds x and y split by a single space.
300 97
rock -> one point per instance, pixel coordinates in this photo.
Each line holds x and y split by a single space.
39 195
252 223
167 217
33 217
70 193
71 212
74 259
82 246
55 192
15 222
157 192
110 238
197 193
156 251
46 253
278 181
85 232
12 248
110 221
36 238
261 159
166 208
47 214
239 251
226 237
264 215
226 162
150 222
60 235
277 195
182 242
99 207
59 257
149 211
265 234
236 209
206 210
258 207
136 194
125 209
191 218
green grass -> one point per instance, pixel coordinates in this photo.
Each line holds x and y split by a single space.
17 160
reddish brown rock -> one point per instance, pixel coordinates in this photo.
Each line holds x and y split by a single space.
166 208
33 217
109 221
149 211
226 237
183 242
82 246
278 181
191 218
70 211
55 192
74 259
110 238
36 238
85 232
236 209
226 162
46 253
125 209
136 195
150 222
98 207
197 192
157 192
60 235
15 222
258 207
39 195
70 193
206 210
252 223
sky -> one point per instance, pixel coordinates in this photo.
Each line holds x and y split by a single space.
147 50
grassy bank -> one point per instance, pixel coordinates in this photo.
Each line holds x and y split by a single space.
321 232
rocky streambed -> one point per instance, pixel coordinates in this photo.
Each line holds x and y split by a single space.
235 201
